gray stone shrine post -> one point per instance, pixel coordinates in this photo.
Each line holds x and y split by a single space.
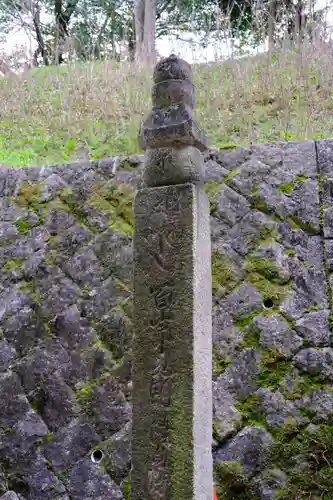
172 350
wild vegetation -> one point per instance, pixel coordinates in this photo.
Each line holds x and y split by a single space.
91 110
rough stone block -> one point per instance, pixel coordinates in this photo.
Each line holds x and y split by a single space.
172 391
325 157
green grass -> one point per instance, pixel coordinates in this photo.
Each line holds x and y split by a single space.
60 114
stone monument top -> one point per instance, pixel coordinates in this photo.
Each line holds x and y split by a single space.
170 135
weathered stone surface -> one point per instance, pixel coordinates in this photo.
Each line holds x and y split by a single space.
329 254
86 481
66 306
249 447
70 444
110 408
309 291
328 222
315 329
269 482
253 227
277 409
274 253
225 416
230 206
239 378
7 355
275 334
118 451
244 300
315 361
167 166
170 123
10 495
324 152
214 171
226 336
319 403
164 359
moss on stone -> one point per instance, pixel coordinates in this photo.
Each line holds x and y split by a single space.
286 188
52 257
292 223
34 405
86 391
304 225
212 189
274 368
311 475
180 439
13 264
23 226
231 483
223 272
301 178
250 409
219 363
261 205
232 174
269 290
244 320
265 267
29 194
304 384
116 202
127 489
251 339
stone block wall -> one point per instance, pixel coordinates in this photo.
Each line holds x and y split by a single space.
65 324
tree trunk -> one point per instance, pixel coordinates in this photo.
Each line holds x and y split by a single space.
272 13
62 21
39 36
139 21
149 34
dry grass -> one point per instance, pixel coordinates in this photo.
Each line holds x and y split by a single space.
56 115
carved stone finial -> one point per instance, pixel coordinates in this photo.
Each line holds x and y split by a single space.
172 68
170 121
171 138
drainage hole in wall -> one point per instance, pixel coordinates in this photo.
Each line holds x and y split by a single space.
97 456
268 303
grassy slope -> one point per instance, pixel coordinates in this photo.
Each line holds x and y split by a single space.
57 115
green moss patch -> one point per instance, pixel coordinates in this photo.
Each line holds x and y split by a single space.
117 203
311 475
127 489
224 272
267 288
250 409
29 194
219 363
231 483
290 252
23 226
13 264
286 188
265 267
212 189
305 384
274 369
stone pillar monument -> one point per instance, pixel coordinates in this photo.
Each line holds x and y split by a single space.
172 350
